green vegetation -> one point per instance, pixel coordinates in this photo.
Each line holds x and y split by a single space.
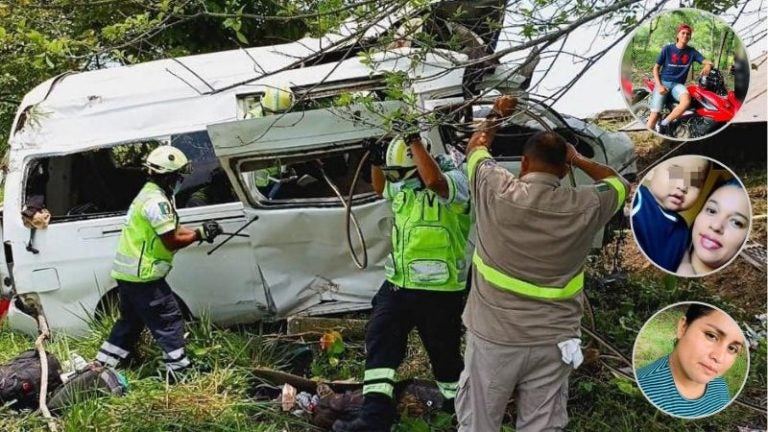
711 37
223 398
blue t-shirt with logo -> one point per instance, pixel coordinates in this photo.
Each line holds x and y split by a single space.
675 62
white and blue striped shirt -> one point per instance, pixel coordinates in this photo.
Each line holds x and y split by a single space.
655 380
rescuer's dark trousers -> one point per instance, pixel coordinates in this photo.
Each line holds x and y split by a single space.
396 311
154 305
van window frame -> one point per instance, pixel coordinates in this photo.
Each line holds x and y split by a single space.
257 200
64 218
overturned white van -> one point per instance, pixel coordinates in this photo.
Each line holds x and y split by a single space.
79 140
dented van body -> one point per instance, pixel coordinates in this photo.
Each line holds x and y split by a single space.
79 140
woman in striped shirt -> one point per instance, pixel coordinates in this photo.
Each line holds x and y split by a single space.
688 382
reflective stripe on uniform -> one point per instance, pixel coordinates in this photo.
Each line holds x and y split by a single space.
114 349
380 374
615 183
174 355
178 365
107 359
161 269
475 157
518 286
386 389
125 264
448 390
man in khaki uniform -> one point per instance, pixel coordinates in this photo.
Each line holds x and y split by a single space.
524 310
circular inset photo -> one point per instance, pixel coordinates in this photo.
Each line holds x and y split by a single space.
685 74
691 360
691 215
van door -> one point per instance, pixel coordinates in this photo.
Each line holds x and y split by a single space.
290 171
6 286
68 261
225 283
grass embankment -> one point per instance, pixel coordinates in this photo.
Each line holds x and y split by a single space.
222 399
216 400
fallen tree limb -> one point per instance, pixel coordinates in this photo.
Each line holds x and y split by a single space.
45 334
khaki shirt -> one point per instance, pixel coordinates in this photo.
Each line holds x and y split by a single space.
535 230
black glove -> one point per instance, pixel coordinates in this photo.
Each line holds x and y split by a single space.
408 129
208 231
378 152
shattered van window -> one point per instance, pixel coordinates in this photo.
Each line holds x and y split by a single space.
208 184
87 184
529 119
104 182
287 179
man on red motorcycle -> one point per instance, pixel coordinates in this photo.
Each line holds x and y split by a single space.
670 73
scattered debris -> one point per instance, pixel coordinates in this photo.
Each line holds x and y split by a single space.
350 328
755 254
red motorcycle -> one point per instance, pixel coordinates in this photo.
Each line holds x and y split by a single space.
712 106
4 305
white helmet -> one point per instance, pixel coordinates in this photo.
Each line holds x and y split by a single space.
398 162
277 99
399 154
167 159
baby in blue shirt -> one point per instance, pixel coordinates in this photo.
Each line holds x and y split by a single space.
672 187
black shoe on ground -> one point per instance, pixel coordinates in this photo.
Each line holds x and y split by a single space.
359 424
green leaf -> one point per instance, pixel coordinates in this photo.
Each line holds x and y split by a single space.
337 347
241 37
627 387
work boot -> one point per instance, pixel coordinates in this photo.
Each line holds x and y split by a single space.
376 415
449 406
359 424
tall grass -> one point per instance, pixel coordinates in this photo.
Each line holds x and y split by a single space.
220 399
216 400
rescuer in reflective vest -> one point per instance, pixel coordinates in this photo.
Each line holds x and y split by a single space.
524 312
426 275
275 100
150 238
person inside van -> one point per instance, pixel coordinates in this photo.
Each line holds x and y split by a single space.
216 191
150 238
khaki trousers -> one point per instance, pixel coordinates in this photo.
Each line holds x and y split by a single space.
536 376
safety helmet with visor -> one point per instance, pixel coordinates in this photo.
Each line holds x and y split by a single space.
166 160
399 164
170 163
277 99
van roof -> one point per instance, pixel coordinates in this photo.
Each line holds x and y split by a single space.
148 97
161 97
85 110
79 111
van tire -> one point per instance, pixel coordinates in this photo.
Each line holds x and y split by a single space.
109 303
